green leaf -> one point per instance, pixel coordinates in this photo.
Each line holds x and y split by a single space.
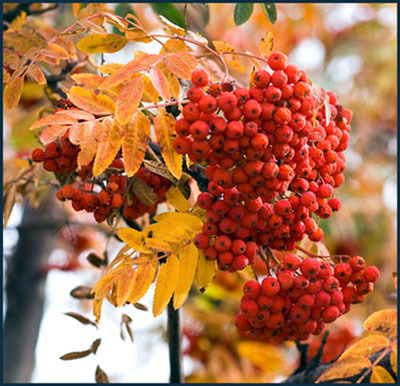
242 12
269 10
122 9
169 11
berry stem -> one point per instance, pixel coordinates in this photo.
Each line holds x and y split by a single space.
308 253
164 104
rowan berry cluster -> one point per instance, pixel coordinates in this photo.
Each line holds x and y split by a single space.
280 140
302 296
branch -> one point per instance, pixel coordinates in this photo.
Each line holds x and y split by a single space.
174 344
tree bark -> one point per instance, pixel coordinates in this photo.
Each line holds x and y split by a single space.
25 284
174 344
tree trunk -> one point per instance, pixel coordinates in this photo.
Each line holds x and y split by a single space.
25 284
174 344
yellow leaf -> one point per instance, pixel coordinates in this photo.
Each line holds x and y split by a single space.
137 35
345 368
174 45
125 286
87 100
366 346
54 119
55 51
89 142
188 258
88 80
97 44
128 100
185 220
19 21
13 92
133 238
393 359
150 94
384 321
110 68
205 271
173 83
266 45
110 143
180 64
160 82
135 142
172 233
381 375
247 273
177 199
157 245
136 65
262 355
145 276
172 27
164 126
37 74
166 284
222 46
237 65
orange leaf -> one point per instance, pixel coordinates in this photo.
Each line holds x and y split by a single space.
110 142
125 286
134 66
55 51
87 100
150 94
89 142
51 133
172 80
178 64
37 74
88 80
135 142
128 100
77 114
164 126
160 82
13 92
54 119
345 368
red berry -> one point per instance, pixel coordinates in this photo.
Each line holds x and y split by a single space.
252 289
270 286
201 241
277 61
371 273
357 263
200 78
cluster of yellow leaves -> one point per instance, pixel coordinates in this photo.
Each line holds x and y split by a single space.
383 339
135 267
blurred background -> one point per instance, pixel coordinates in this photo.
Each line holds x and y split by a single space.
347 48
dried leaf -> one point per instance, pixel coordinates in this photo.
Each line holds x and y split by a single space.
101 376
188 258
12 92
266 45
159 169
366 346
384 321
110 143
75 355
205 271
135 142
128 100
95 345
95 260
144 192
381 375
82 292
164 126
166 283
97 44
98 104
140 306
80 318
177 199
97 303
345 368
